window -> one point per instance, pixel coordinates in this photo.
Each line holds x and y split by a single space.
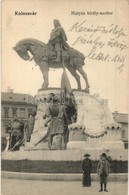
22 112
5 128
29 112
14 112
126 145
6 112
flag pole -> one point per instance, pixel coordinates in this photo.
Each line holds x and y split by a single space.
62 91
65 83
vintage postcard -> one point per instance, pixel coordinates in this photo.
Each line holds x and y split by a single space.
64 97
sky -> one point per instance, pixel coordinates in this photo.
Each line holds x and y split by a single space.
108 78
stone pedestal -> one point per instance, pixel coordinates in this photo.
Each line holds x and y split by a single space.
77 138
39 129
113 139
93 113
94 129
95 118
94 132
76 133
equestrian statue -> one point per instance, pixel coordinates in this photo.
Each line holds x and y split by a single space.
55 54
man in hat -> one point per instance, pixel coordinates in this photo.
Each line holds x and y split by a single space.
103 170
58 39
86 167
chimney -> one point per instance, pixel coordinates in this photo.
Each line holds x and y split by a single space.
9 90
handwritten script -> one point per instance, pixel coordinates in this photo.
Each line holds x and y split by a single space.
107 43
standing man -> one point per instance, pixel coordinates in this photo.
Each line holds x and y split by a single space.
86 167
103 170
30 125
17 134
71 111
58 39
55 117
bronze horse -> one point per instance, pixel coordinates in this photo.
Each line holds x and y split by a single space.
42 53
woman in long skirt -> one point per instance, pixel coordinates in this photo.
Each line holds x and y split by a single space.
86 167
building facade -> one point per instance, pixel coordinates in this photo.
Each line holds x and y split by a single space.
122 119
15 105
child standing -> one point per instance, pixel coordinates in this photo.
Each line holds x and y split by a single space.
103 170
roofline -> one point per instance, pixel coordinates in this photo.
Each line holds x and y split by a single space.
16 102
120 113
16 93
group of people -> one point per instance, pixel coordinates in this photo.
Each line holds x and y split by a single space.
16 134
57 117
103 170
20 132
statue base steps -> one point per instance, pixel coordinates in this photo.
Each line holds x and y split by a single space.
108 145
42 145
65 155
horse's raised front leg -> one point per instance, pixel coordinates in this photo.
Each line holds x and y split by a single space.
81 71
75 75
45 70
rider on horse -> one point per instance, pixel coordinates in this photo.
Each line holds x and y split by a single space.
58 40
